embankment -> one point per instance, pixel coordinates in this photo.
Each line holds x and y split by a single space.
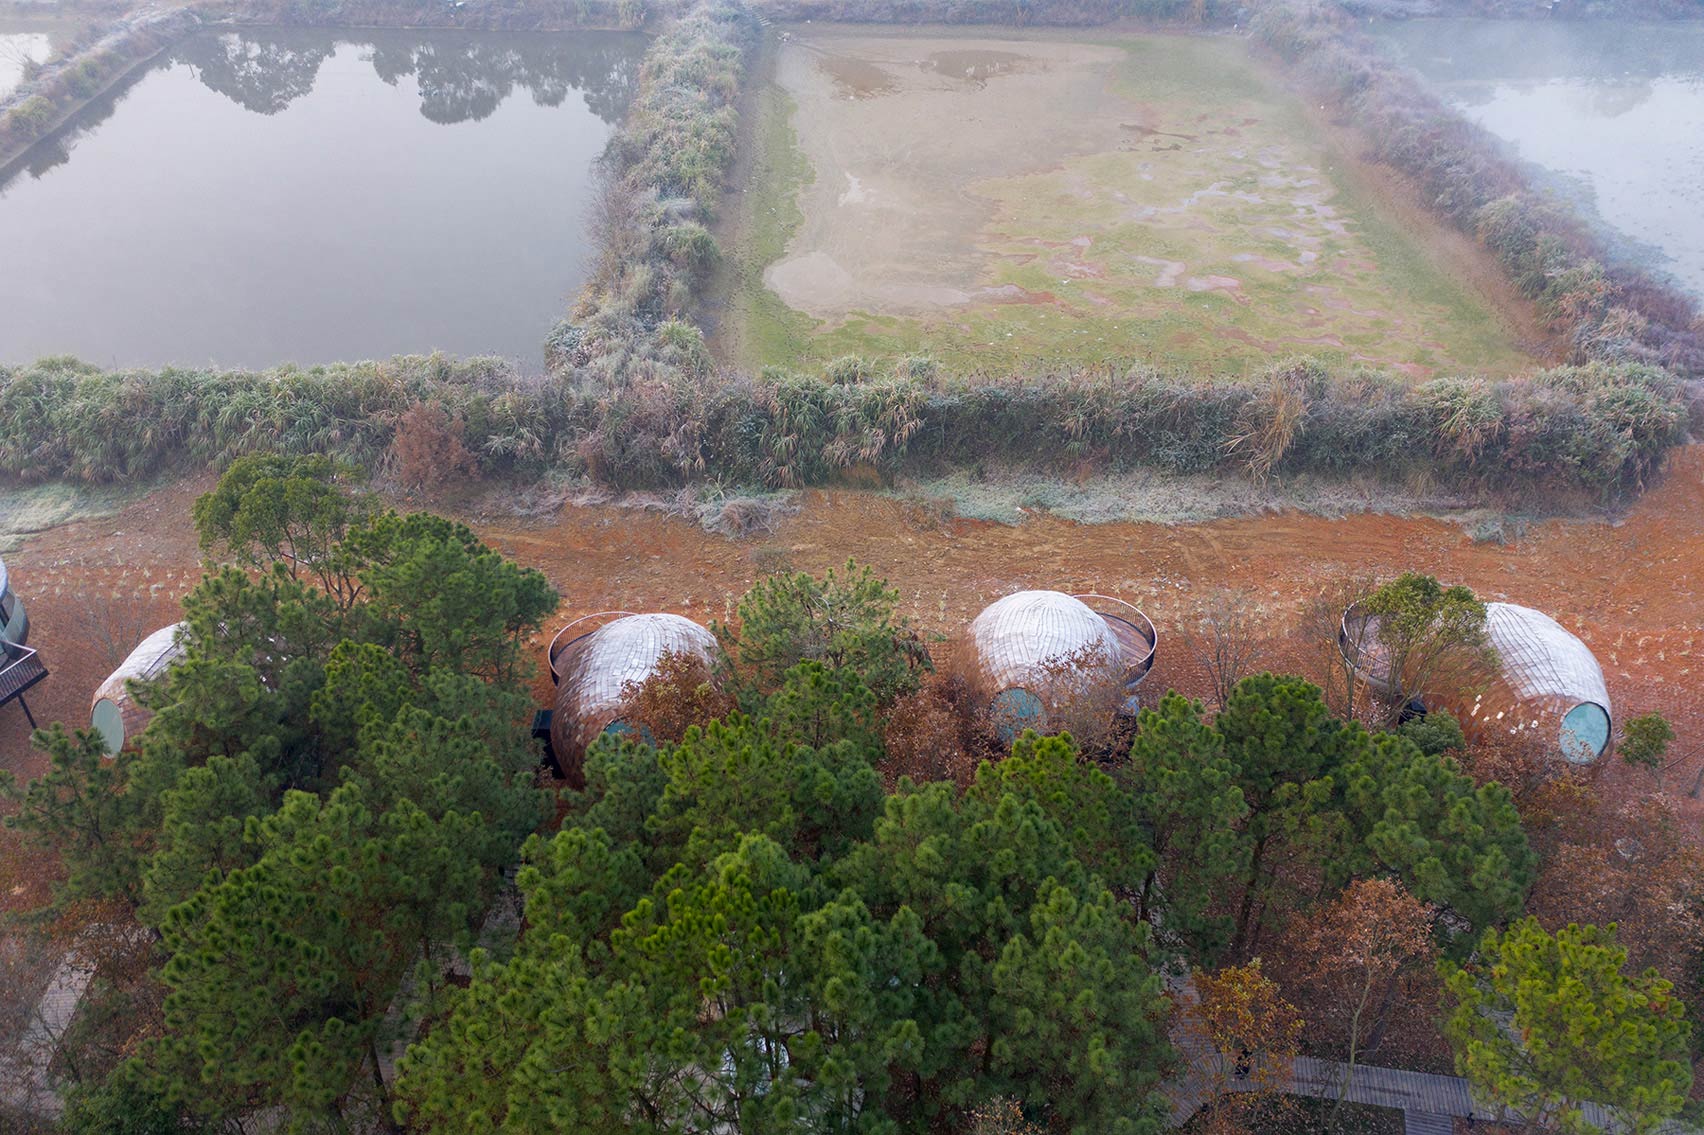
473 15
66 85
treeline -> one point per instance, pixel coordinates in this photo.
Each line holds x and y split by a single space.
63 85
1609 313
1573 9
334 774
1596 431
788 897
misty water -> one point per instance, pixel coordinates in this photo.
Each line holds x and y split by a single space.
1613 111
260 197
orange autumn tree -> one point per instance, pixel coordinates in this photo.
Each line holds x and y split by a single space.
1251 1034
1353 951
680 692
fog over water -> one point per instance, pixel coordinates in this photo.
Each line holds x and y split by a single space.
260 197
1615 111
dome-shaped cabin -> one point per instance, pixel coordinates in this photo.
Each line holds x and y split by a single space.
1035 652
1547 683
14 621
113 712
592 660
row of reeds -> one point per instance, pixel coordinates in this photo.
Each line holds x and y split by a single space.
1599 431
658 185
100 55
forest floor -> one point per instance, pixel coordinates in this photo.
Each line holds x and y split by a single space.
1632 588
999 198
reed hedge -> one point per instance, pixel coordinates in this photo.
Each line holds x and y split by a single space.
1597 431
659 182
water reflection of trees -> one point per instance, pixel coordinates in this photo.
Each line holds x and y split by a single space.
461 76
259 71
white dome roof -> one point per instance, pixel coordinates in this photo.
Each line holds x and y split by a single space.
628 650
1018 636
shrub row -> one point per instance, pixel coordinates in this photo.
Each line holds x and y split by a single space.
1608 312
1060 13
65 84
658 185
480 15
1598 430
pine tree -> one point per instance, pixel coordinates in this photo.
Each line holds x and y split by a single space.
1185 795
1542 1023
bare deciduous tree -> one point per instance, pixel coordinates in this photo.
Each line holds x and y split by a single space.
1318 628
1228 641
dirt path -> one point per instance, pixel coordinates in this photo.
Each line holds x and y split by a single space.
1633 589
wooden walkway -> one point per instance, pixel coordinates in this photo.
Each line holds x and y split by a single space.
1430 1103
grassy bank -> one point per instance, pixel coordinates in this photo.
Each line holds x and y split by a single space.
64 86
757 324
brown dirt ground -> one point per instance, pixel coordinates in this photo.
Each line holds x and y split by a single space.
1632 588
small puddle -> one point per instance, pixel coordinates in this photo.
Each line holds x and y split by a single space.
855 78
974 66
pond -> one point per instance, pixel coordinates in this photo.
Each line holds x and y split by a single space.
265 196
1613 111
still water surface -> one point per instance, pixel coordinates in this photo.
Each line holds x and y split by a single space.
260 197
1615 111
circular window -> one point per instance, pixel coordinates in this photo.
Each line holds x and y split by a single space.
109 723
1014 711
1585 733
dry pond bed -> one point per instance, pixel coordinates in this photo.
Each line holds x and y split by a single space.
997 199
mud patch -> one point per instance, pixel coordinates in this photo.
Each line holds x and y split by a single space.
974 65
856 78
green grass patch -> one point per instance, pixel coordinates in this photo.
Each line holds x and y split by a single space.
764 329
1218 232
37 508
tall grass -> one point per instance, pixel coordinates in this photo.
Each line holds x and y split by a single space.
1595 432
660 179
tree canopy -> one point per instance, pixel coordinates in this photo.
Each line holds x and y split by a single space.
1545 1023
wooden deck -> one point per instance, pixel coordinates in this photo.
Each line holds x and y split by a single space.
1430 1103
